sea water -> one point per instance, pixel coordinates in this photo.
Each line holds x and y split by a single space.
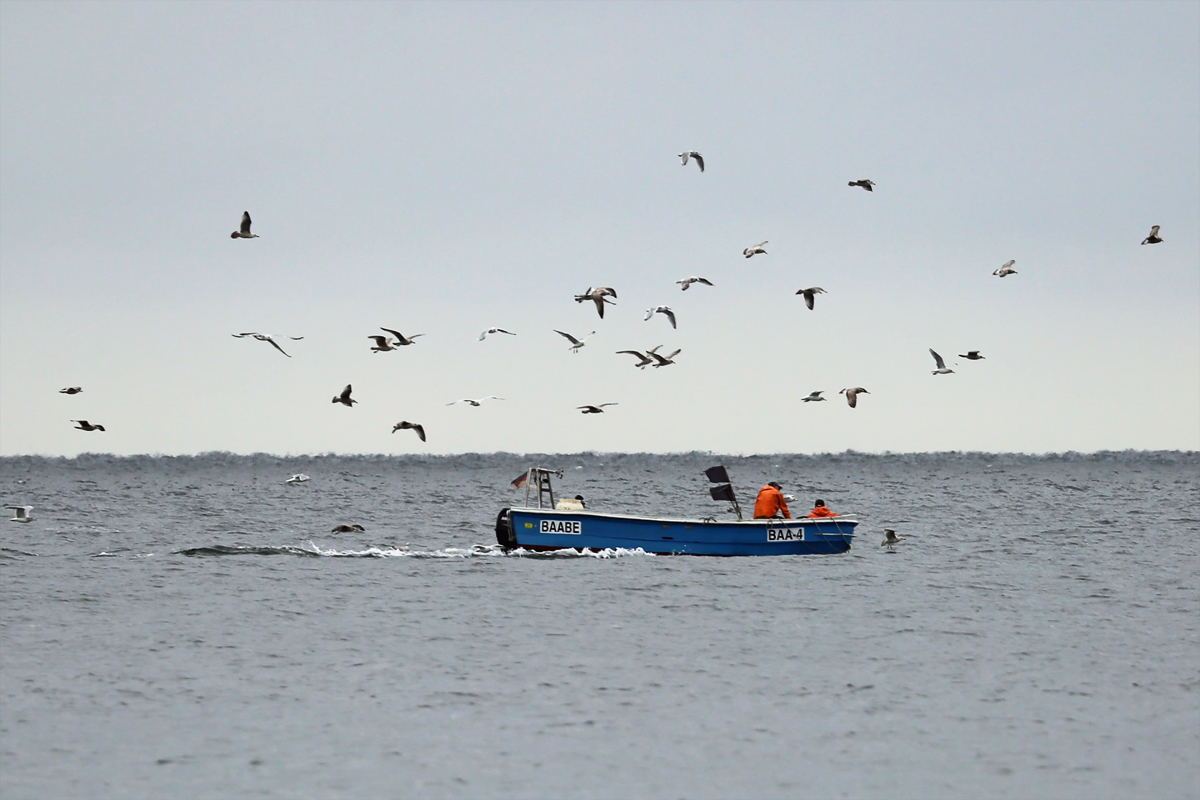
189 627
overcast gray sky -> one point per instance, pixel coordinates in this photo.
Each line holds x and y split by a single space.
443 168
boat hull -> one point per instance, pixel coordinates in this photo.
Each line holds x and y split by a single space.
549 529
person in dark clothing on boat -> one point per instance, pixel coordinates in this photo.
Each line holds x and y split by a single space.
819 510
770 502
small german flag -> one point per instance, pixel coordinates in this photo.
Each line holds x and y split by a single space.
521 480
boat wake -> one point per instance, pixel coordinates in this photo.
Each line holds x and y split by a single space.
314 550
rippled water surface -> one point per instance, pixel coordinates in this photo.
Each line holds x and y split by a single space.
189 628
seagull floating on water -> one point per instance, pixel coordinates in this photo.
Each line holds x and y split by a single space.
244 231
344 397
755 250
575 343
71 390
84 425
594 409
864 183
266 337
810 295
405 425
852 395
890 538
686 154
971 355
469 401
815 396
942 369
23 513
599 296
650 312
686 282
489 331
1153 238
299 477
1006 269
347 528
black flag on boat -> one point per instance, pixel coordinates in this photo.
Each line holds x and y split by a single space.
717 474
722 493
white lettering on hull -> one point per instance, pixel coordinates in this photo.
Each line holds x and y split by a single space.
572 526
785 534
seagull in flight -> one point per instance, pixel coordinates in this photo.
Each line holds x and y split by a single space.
71 390
643 360
599 296
405 425
594 409
650 312
299 477
755 250
400 340
663 361
485 334
575 343
1006 269
852 395
266 337
686 282
890 538
84 425
244 231
971 355
942 369
686 154
810 294
22 513
1153 238
864 183
815 396
469 402
344 397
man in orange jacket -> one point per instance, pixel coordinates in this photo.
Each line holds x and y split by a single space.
770 501
819 510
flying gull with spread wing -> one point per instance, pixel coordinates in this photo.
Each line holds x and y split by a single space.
405 425
643 360
1153 238
864 183
852 395
244 231
473 402
1006 269
344 397
890 538
650 312
597 409
815 396
942 369
490 331
686 154
71 390
664 361
21 513
84 425
599 296
810 295
971 355
755 250
266 337
686 282
575 343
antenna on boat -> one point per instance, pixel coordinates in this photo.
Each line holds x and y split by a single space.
719 474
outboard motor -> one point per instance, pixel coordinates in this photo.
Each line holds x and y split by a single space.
504 531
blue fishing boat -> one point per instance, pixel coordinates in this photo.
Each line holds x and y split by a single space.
548 525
